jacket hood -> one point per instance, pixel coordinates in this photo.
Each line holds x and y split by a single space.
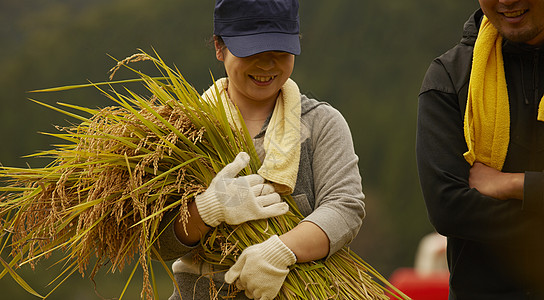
471 27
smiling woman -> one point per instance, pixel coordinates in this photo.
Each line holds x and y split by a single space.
305 147
255 81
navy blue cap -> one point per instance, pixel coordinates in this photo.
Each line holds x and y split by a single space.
249 27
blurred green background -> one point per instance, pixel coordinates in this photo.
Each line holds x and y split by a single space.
366 58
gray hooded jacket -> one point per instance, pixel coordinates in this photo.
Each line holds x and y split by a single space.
328 192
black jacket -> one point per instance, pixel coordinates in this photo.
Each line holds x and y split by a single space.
495 248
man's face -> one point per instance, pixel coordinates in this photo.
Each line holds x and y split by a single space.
519 21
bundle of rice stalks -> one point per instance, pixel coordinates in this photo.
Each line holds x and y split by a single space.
101 200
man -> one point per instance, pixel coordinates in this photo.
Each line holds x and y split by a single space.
480 152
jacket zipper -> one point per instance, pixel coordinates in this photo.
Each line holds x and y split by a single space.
536 78
536 100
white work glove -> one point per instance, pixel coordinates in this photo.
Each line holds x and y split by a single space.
235 200
261 269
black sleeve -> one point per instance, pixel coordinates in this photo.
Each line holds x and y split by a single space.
533 192
454 209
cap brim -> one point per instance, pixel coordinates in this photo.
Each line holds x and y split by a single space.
247 45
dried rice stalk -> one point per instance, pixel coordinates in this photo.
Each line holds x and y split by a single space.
123 167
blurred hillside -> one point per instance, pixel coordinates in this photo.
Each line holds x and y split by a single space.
366 58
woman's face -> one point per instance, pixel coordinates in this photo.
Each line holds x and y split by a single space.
256 78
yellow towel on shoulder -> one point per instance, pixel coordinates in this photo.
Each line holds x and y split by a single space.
487 115
282 137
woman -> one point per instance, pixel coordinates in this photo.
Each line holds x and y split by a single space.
305 146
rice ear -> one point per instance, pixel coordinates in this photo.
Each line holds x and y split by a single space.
123 167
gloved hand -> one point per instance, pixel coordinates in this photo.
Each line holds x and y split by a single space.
235 200
261 269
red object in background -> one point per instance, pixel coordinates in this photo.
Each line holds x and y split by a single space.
433 286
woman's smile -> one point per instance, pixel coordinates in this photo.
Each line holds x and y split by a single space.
262 80
256 79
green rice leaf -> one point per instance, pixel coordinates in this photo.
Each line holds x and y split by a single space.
18 278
